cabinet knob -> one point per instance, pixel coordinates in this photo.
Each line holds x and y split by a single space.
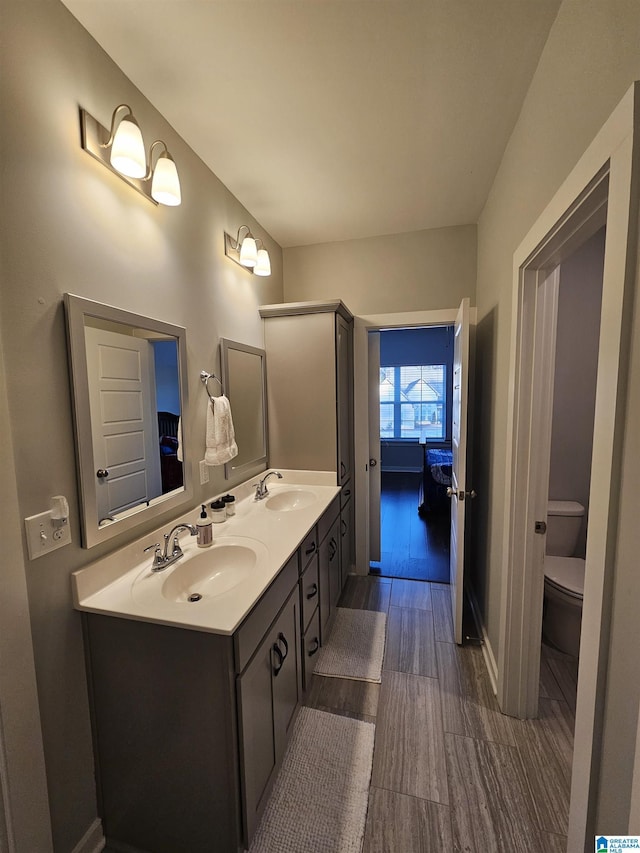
313 648
313 591
310 549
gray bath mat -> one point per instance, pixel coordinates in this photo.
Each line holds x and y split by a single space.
319 800
355 648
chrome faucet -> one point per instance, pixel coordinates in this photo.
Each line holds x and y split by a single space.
161 558
261 487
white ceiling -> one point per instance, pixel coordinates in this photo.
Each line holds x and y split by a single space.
335 119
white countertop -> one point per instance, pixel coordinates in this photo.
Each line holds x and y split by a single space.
121 584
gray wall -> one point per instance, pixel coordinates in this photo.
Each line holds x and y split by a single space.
69 225
422 270
574 388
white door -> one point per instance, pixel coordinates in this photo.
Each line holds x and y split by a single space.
374 446
124 420
458 489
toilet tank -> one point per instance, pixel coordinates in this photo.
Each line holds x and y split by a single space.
564 519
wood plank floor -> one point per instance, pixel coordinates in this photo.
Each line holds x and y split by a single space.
410 546
449 771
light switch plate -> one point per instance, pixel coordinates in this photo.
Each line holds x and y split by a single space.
44 535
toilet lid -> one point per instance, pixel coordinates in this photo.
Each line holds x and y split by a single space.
566 508
567 573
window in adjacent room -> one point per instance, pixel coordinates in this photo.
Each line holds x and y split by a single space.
413 402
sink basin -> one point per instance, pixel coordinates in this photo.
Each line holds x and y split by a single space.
211 572
290 499
202 573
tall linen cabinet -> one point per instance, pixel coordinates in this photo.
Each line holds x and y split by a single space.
309 348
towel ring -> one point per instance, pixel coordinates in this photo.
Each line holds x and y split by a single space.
205 377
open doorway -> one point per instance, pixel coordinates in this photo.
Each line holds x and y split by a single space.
579 302
367 443
414 412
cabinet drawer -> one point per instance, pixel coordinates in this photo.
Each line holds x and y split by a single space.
310 648
308 548
309 591
330 515
253 629
345 494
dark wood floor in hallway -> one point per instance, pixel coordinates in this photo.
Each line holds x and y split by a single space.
411 547
450 772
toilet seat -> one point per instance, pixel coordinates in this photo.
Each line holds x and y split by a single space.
565 574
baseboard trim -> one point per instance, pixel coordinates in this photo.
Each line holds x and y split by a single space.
487 651
93 840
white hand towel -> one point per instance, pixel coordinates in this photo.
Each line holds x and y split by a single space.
220 441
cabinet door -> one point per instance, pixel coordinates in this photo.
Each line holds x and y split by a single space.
344 369
346 541
268 694
286 671
329 576
257 737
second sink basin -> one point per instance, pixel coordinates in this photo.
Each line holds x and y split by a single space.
290 499
202 573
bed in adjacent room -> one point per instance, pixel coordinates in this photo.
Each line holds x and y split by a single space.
436 476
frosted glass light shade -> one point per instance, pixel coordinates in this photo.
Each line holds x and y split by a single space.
248 252
263 265
127 149
165 185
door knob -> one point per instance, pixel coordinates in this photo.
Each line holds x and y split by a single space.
373 463
451 493
101 473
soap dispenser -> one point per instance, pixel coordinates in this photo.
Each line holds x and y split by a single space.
205 529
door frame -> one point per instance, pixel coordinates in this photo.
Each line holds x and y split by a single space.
375 453
361 327
603 176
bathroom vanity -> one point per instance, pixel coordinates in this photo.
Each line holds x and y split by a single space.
193 702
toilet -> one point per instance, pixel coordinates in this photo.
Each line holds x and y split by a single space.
563 577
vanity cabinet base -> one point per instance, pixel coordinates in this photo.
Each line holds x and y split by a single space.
165 736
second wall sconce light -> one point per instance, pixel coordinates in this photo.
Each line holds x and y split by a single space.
122 151
248 251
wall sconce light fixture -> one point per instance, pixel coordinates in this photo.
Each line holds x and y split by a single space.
122 151
165 183
248 251
127 154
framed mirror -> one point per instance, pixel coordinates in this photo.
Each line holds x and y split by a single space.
128 377
244 374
